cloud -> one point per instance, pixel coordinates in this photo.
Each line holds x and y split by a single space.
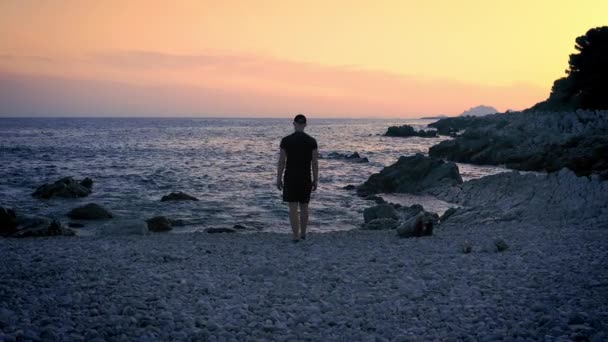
155 83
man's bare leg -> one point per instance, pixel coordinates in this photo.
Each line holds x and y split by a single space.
294 219
303 219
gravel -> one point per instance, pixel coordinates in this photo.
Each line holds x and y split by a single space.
550 284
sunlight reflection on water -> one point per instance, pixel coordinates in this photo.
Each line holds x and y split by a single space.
229 164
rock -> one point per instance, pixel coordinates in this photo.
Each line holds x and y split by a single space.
89 211
349 187
513 196
419 225
467 247
447 214
41 227
354 157
124 227
178 196
159 224
409 131
177 222
381 224
413 174
66 187
540 141
380 211
375 198
220 230
8 221
500 245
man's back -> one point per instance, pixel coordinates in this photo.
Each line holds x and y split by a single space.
299 147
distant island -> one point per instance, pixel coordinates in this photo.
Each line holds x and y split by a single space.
479 111
437 117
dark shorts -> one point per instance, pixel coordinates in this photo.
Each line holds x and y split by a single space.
297 189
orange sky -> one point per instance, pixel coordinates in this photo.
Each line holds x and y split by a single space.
275 58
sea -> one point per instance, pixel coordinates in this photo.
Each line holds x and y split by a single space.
229 164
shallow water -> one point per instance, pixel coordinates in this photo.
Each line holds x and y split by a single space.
229 164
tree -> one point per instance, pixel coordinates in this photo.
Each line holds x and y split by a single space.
589 69
587 79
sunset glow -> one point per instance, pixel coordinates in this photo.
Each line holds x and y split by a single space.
274 58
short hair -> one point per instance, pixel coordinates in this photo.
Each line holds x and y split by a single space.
300 118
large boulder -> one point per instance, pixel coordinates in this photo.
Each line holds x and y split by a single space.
380 211
178 196
409 131
65 187
8 221
89 211
159 224
413 174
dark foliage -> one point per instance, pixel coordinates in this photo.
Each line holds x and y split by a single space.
587 79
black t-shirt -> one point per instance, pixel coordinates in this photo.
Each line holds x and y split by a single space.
299 147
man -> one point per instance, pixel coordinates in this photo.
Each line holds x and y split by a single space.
298 156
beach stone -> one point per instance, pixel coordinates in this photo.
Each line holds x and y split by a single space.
90 211
178 196
413 174
41 227
159 224
65 187
220 230
380 211
381 223
500 245
419 225
409 131
8 221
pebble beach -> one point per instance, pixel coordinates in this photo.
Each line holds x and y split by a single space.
550 284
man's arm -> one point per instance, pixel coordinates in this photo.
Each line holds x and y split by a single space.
280 168
315 169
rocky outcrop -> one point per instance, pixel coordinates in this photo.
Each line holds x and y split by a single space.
8 221
409 131
178 196
159 224
89 211
413 174
354 157
513 196
531 141
66 187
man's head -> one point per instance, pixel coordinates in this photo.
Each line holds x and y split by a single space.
299 123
